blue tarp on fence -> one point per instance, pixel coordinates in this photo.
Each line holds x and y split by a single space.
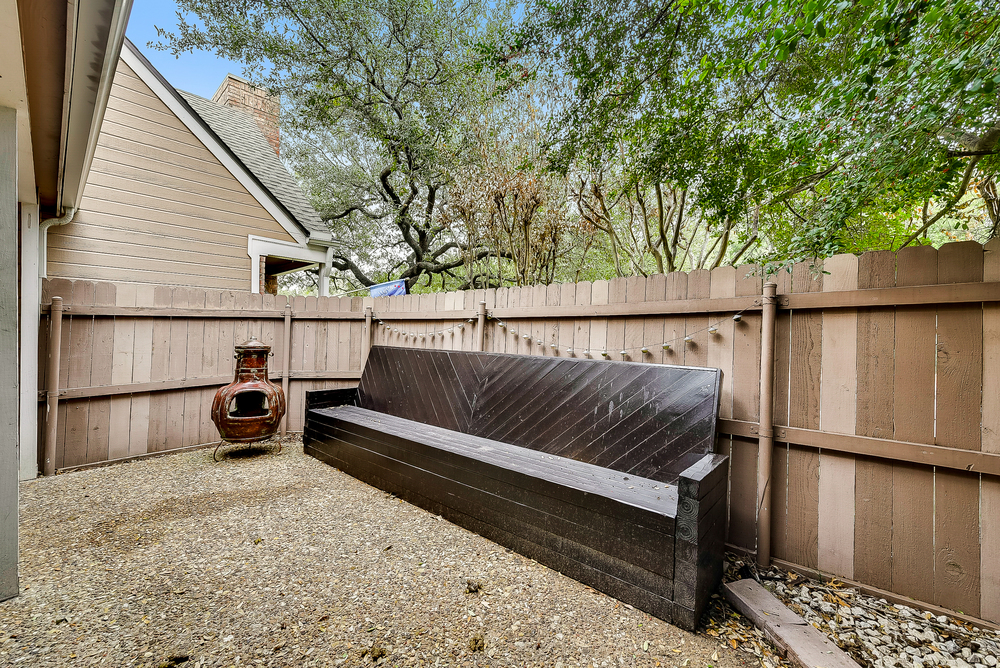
389 289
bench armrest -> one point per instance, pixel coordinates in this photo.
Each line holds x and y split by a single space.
699 539
331 398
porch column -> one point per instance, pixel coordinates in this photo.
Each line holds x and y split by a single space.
9 399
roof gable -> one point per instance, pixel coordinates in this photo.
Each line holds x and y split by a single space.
266 184
242 135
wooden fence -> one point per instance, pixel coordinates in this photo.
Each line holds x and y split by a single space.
886 466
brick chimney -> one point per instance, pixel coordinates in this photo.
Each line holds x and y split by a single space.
241 94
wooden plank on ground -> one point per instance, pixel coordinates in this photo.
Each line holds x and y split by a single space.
804 645
838 405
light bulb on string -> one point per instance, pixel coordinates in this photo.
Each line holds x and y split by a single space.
737 318
605 355
623 353
665 346
713 330
644 350
569 351
688 339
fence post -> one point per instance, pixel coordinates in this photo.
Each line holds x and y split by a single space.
481 328
52 391
765 445
366 337
286 363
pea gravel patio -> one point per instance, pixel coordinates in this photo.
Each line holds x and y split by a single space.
280 560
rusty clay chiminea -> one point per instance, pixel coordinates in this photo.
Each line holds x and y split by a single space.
250 408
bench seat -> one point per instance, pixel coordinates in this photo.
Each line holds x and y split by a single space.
626 535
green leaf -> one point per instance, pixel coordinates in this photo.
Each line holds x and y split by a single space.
820 30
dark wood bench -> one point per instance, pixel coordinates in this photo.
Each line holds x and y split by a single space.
601 470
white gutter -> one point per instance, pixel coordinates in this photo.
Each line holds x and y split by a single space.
43 239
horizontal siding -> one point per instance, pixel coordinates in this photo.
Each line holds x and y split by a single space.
223 228
132 271
158 208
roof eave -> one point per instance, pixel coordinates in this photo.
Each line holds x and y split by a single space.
96 35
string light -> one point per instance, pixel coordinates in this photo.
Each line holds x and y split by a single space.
666 346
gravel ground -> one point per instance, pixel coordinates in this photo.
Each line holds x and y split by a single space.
279 560
882 635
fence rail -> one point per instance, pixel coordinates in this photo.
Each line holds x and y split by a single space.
885 467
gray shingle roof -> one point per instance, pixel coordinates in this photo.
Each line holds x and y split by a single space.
240 132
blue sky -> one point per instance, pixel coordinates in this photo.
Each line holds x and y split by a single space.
199 72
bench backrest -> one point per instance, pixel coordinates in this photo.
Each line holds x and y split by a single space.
648 420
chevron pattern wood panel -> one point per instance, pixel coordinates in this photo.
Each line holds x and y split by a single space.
647 420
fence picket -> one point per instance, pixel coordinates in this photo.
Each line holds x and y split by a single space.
913 421
959 388
838 405
873 484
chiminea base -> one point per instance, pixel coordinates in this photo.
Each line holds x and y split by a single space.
215 453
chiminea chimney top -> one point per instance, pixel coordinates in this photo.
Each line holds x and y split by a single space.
239 93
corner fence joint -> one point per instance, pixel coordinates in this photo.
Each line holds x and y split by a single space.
766 430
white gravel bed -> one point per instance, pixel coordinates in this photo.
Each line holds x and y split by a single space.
280 560
879 634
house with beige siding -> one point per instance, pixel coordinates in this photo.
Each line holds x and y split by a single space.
186 191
